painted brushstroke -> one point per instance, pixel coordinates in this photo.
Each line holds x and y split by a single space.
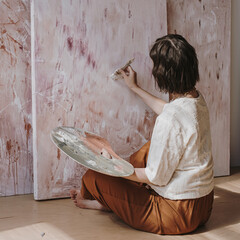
15 99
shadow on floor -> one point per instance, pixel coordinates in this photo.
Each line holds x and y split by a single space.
226 210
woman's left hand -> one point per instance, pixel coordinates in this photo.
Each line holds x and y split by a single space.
106 154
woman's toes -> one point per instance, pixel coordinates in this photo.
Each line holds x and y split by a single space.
77 198
73 193
79 195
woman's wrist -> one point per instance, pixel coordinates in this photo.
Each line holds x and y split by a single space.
138 175
134 87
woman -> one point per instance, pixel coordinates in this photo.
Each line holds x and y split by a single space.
171 189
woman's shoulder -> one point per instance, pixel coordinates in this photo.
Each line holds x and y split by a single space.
183 113
169 119
185 106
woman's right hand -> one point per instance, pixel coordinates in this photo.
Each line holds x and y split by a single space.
130 77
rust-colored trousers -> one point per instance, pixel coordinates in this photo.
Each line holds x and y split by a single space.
143 208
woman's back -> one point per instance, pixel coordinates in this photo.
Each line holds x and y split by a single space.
180 156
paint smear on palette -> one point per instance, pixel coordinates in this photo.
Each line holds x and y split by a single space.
86 148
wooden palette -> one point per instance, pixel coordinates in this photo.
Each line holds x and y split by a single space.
85 148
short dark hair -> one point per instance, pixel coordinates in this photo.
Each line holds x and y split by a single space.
175 64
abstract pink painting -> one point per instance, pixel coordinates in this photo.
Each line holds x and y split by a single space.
207 26
77 45
16 174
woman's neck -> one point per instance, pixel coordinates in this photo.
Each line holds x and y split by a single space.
191 94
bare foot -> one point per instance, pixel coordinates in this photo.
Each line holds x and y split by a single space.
78 198
73 193
91 204
80 202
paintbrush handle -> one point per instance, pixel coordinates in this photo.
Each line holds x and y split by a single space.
127 64
116 74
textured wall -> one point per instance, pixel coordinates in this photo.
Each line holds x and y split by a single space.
206 24
78 44
15 98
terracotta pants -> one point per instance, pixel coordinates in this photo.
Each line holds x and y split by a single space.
143 208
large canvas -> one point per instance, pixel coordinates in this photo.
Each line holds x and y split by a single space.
16 175
77 45
207 26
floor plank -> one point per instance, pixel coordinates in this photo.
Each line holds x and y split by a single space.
23 218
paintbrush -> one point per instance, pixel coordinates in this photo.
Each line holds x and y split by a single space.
116 75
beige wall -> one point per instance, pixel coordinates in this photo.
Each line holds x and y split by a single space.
207 26
235 85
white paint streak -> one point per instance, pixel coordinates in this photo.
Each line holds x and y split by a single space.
15 87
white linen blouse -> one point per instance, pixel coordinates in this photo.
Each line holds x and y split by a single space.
180 164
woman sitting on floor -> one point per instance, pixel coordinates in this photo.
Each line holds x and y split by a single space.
171 189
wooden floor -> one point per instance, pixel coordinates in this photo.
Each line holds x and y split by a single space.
23 218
